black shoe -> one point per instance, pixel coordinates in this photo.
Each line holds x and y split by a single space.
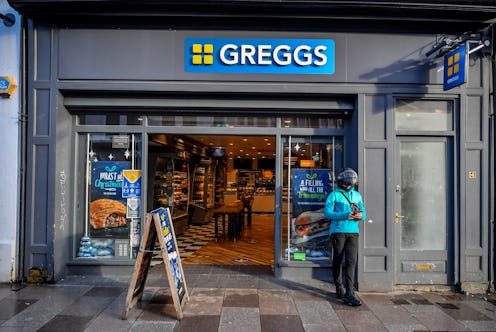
352 300
340 292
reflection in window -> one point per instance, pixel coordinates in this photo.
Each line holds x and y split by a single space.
312 122
424 115
110 119
211 121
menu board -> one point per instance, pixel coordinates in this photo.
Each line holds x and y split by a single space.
310 229
167 240
158 227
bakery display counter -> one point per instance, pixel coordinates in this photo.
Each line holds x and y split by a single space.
263 201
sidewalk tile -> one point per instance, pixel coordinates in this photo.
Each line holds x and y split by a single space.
355 320
198 323
240 319
281 323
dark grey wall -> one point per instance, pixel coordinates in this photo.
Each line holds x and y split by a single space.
159 55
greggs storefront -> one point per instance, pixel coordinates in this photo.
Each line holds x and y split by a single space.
126 115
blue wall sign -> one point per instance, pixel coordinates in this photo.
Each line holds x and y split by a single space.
4 83
7 85
259 56
454 68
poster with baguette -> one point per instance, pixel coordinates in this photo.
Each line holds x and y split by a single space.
107 208
310 229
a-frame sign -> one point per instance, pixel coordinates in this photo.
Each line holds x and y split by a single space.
158 227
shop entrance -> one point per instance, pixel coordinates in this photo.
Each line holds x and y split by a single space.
198 175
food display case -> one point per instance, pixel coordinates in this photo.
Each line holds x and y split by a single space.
264 200
170 187
202 192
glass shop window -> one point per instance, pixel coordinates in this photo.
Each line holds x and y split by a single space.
424 115
132 119
309 166
109 194
211 121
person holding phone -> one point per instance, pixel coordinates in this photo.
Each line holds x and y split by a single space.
344 207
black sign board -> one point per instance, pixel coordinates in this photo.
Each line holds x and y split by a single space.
158 227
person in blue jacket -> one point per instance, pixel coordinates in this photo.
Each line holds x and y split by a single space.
344 207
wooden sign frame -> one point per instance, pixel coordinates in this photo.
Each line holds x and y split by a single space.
158 227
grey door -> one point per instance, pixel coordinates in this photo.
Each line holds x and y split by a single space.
423 220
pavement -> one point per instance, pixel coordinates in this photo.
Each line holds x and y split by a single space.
233 298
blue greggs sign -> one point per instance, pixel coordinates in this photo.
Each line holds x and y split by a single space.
454 68
259 56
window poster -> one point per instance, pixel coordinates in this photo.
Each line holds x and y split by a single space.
107 210
310 229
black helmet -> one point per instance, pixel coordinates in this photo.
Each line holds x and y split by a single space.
347 177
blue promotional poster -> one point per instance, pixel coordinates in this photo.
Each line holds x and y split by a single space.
310 229
172 253
107 210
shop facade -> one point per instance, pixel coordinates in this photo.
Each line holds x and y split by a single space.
101 95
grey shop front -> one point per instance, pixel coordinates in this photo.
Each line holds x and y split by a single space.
374 99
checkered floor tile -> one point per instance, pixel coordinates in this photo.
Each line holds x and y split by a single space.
193 238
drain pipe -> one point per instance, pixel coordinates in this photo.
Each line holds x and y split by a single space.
23 119
492 142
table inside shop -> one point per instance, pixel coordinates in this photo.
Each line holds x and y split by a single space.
235 217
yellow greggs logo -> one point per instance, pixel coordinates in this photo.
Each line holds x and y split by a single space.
203 54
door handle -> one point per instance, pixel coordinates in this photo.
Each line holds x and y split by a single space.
397 217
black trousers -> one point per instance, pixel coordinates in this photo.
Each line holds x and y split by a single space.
344 244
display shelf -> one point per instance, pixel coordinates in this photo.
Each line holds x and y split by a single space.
202 192
220 181
170 187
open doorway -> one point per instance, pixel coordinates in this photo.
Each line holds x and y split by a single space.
194 175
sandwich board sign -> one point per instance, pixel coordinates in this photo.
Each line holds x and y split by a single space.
158 227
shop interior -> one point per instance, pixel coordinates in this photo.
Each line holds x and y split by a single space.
196 176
